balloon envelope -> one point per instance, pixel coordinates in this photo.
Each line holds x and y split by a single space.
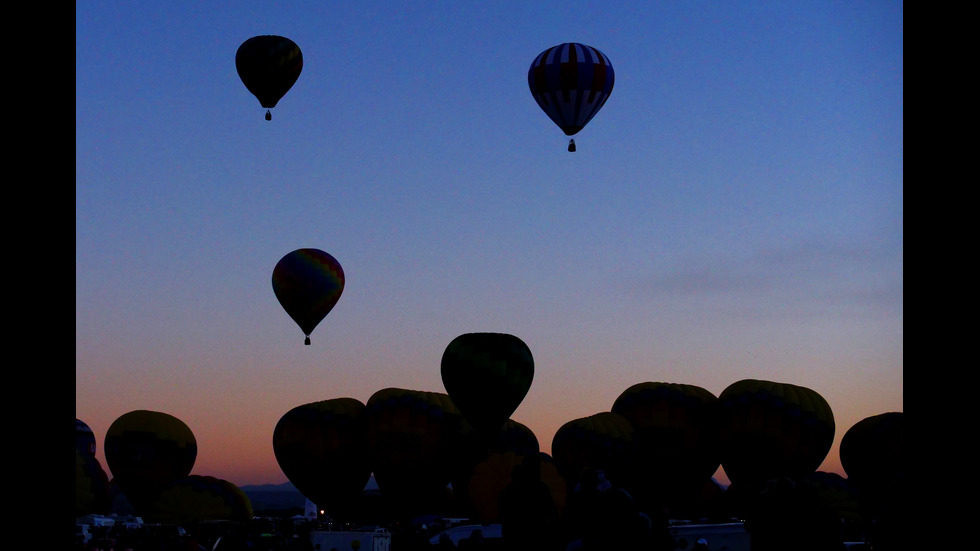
493 475
308 283
872 451
412 436
91 485
474 449
269 66
487 375
199 498
322 449
772 430
146 451
602 441
84 437
675 436
570 82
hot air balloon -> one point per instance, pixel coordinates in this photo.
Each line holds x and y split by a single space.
84 437
571 82
198 498
487 376
599 442
91 485
308 284
836 492
474 449
789 513
872 453
412 436
675 438
494 474
772 430
269 66
322 449
146 451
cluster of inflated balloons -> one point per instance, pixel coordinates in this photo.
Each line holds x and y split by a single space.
150 455
415 442
660 441
663 441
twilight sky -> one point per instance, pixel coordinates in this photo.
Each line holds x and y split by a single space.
735 210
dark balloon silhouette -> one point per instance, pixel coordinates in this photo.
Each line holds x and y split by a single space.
474 449
873 455
199 498
269 66
528 508
787 514
571 82
772 430
487 375
872 451
147 451
308 283
91 485
412 438
492 476
322 448
599 442
84 437
675 439
836 492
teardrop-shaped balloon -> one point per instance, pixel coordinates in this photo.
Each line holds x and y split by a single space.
269 66
873 449
321 447
675 438
146 451
770 430
487 376
571 82
308 284
413 438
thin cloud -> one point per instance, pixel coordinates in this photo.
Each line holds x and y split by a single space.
806 279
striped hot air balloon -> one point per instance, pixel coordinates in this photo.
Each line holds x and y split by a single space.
571 82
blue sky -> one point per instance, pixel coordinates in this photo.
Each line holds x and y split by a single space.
734 211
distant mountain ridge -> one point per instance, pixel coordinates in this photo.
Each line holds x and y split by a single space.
277 498
284 487
274 498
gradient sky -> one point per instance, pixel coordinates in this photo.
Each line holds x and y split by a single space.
735 210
